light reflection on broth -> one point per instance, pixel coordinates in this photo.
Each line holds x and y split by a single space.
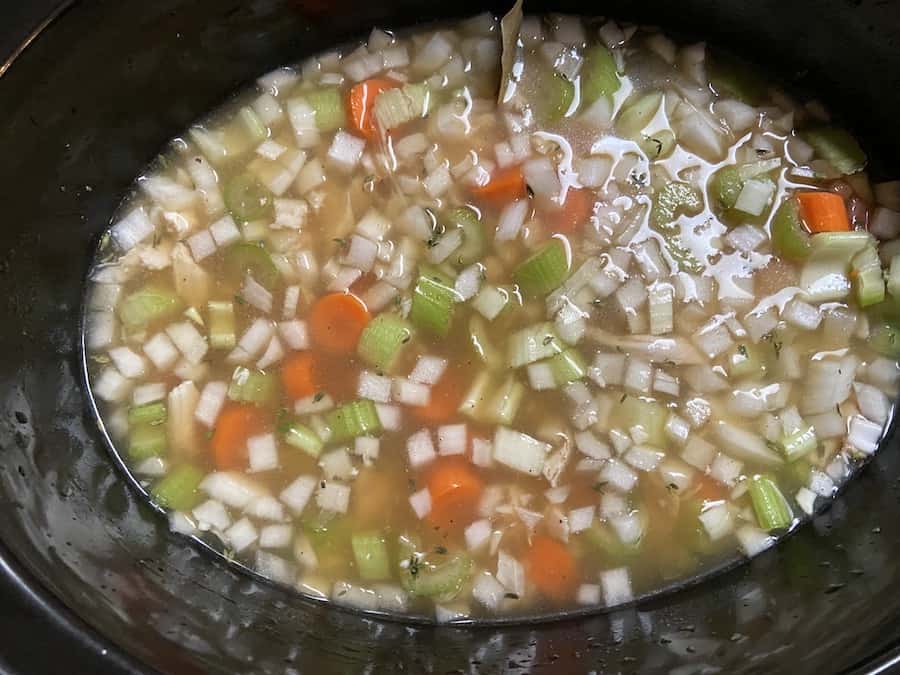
401 347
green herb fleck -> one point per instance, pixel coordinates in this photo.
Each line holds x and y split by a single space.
319 396
440 550
239 299
742 350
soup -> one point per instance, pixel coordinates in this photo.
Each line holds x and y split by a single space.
481 322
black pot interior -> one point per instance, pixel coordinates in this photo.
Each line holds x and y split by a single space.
93 98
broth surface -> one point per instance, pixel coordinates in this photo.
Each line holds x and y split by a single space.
399 345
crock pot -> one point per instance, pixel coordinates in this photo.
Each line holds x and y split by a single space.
91 91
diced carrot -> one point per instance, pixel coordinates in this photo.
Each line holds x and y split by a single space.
574 212
823 212
455 489
237 422
444 400
551 567
336 321
361 103
299 375
505 186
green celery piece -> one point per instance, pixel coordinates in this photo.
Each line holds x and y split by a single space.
329 106
745 360
442 580
799 443
650 415
302 437
178 490
599 75
837 147
357 418
868 277
604 540
146 440
253 124
545 270
474 240
893 279
674 199
147 305
567 366
658 145
248 199
725 186
248 258
554 98
885 339
221 324
733 77
506 400
772 511
383 340
634 117
149 413
371 553
433 302
481 342
789 237
253 386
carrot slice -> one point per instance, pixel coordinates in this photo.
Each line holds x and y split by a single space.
361 104
823 212
575 211
336 321
709 490
237 422
455 489
505 186
443 403
551 567
299 375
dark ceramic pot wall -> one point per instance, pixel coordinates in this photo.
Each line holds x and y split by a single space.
87 104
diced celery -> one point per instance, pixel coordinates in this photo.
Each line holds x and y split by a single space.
789 237
220 316
443 580
674 199
637 113
149 413
837 147
328 103
602 538
302 437
253 386
885 339
725 186
178 490
824 276
746 361
599 75
248 199
533 343
483 345
148 304
658 145
249 258
506 400
371 553
396 107
567 366
432 302
146 440
554 98
473 404
893 280
799 443
868 278
545 270
357 418
255 127
732 77
770 506
210 144
383 340
474 241
650 416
